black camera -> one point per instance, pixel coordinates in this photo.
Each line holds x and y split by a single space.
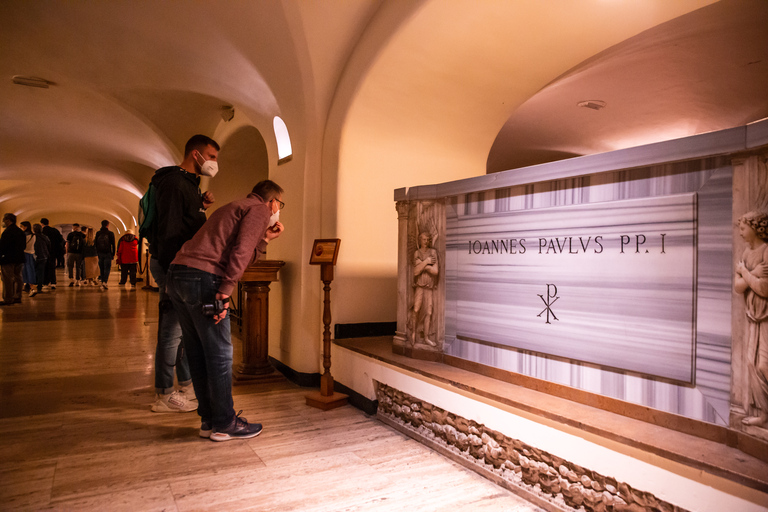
214 309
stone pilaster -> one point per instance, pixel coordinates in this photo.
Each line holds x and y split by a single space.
403 283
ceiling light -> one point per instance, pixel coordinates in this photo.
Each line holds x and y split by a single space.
32 81
593 104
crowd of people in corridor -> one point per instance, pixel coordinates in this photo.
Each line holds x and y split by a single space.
31 253
196 262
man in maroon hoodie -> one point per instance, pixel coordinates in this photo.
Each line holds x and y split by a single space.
201 279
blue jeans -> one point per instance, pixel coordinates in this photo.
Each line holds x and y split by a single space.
169 353
105 266
209 345
28 272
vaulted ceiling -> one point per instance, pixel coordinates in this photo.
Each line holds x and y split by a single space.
131 81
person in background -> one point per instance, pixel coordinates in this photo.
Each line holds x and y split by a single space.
105 247
57 253
90 259
28 272
12 243
75 243
42 255
83 228
127 257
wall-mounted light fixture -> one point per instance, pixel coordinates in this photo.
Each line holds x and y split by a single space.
32 81
593 104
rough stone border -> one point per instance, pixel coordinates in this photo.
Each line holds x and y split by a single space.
547 480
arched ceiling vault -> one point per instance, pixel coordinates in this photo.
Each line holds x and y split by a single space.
697 73
131 83
443 86
439 90
416 91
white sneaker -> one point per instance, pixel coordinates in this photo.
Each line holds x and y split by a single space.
173 402
188 392
33 293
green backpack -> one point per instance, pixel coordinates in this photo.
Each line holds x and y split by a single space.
147 218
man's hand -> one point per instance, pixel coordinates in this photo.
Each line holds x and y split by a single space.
207 199
221 316
274 231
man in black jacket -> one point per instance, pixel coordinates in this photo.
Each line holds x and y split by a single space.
180 214
75 245
12 245
105 249
57 253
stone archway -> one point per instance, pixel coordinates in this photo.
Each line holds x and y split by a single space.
243 162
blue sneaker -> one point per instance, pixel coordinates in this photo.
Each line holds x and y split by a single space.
238 429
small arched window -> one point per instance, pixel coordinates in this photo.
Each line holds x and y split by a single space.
284 151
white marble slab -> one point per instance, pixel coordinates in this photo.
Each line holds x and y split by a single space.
707 396
608 283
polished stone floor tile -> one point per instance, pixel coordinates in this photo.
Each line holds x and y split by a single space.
76 432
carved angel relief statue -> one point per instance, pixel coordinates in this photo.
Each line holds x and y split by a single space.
426 270
751 279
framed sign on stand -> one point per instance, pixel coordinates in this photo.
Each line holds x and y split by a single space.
324 253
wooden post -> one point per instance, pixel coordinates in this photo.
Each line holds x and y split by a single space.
326 398
255 310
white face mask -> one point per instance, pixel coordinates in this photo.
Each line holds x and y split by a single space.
209 168
274 218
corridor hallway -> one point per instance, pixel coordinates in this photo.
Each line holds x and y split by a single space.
76 432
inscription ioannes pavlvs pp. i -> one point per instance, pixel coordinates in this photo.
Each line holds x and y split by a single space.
562 245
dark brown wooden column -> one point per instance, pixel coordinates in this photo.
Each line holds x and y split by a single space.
255 310
326 399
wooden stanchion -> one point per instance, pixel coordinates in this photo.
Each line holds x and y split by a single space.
326 398
255 310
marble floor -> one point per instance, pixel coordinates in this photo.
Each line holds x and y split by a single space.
76 432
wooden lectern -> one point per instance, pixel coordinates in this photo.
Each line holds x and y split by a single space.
255 310
324 253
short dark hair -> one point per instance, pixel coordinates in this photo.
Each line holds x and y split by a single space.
11 217
37 228
104 223
75 225
267 190
44 221
199 142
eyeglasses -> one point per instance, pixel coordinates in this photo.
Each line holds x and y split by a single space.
282 204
